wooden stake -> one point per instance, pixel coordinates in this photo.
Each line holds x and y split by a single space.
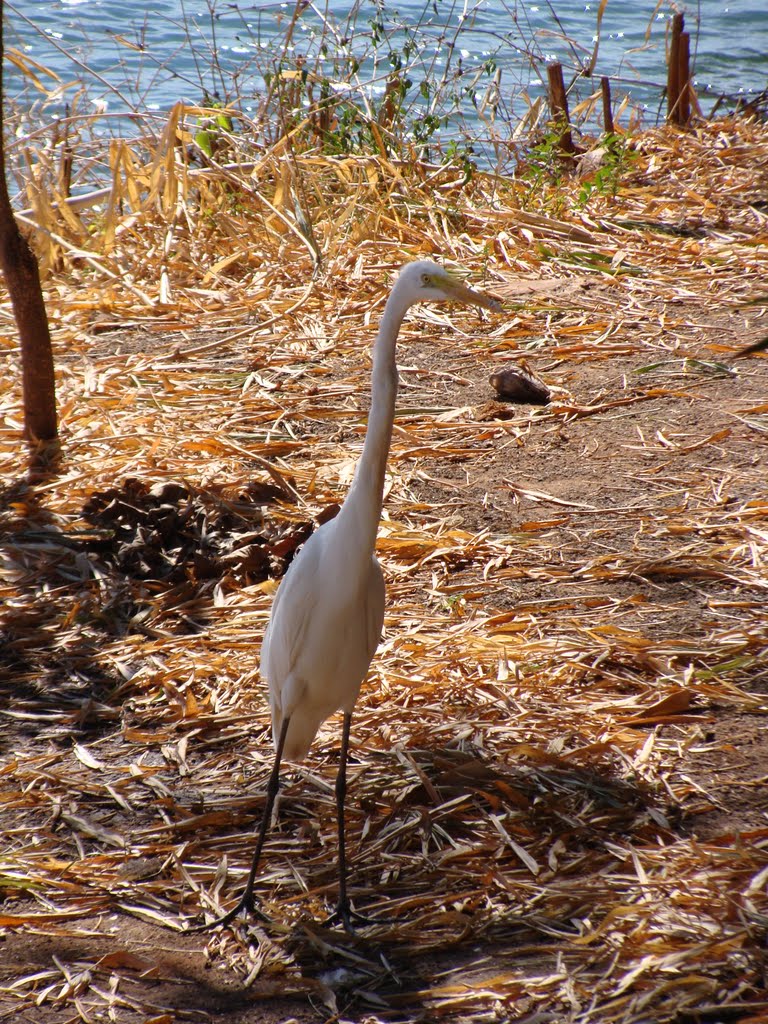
605 86
558 105
673 71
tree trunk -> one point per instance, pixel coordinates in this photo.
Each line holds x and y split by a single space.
22 277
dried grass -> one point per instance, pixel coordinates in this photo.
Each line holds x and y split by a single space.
525 745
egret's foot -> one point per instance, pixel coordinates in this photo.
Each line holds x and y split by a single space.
245 905
347 916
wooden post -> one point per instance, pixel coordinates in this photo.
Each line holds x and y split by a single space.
673 71
605 86
558 105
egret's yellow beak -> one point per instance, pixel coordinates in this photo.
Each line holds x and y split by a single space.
457 290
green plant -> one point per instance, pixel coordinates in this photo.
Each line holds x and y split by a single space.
543 168
616 157
544 160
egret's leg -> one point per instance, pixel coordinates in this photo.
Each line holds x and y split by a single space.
343 907
246 900
344 911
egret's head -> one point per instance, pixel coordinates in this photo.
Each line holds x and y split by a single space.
425 281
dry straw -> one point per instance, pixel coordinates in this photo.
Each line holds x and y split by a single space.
553 806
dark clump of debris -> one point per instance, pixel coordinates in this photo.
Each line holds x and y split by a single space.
168 532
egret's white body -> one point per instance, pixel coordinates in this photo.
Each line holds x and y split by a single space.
328 613
324 630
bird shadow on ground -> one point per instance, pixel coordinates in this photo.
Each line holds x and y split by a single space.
435 914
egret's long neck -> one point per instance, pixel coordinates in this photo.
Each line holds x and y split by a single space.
363 503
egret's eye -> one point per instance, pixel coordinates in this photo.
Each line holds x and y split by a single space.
426 280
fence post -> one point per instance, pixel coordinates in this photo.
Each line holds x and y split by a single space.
605 87
558 105
679 74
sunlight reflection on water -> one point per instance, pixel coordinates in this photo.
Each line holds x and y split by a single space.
489 58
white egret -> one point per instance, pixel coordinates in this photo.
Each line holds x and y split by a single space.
328 613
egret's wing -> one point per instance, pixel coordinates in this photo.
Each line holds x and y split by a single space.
290 619
375 608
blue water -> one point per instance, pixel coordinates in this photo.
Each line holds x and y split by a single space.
493 53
